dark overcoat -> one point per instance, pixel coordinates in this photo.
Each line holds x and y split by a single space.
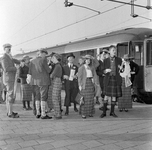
71 87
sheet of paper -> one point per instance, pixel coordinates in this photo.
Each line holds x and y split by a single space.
72 73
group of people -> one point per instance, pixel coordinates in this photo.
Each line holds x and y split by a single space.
107 80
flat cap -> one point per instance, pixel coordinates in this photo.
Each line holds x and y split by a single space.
7 45
26 57
43 51
70 55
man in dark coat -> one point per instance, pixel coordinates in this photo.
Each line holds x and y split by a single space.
112 80
71 83
100 72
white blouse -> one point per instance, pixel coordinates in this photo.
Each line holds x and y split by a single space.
88 71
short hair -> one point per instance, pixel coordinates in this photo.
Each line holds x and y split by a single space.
112 46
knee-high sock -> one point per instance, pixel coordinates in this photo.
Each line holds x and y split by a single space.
43 108
37 104
10 108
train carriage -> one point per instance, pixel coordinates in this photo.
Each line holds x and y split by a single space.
134 41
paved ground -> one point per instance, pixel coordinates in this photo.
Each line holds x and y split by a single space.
130 131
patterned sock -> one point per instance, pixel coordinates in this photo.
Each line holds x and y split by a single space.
37 104
43 108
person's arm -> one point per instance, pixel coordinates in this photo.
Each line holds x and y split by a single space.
46 66
57 72
6 67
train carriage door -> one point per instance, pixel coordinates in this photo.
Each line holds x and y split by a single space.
148 65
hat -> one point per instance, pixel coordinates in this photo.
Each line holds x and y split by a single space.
88 57
70 55
26 57
104 50
43 51
58 56
127 56
7 45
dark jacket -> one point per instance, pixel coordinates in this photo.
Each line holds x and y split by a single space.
118 62
100 73
134 68
39 70
23 71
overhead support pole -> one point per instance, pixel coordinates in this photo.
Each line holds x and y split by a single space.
148 4
116 1
132 10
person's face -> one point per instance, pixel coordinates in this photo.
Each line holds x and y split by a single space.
42 55
7 50
88 61
70 59
22 63
112 52
27 60
102 55
54 60
107 55
81 61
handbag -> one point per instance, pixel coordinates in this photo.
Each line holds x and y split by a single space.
79 99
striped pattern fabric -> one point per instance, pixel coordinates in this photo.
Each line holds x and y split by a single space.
125 101
112 89
56 96
49 100
26 92
88 93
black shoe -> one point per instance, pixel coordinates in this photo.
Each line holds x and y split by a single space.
75 109
113 115
46 117
13 115
102 115
101 108
59 117
66 113
29 108
38 116
121 110
90 115
126 110
84 117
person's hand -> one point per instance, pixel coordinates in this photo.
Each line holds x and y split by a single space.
107 70
66 77
50 67
74 77
132 72
80 87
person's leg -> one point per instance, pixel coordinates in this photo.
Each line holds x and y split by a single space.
105 102
113 103
10 100
44 95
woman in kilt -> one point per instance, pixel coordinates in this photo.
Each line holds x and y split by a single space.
56 77
125 102
112 81
86 79
26 89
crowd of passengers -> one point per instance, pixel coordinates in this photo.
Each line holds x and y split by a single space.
106 80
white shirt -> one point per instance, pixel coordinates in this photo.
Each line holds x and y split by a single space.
89 72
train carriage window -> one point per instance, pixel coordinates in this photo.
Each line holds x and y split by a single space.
149 52
90 52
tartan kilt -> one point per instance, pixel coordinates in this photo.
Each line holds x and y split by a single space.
88 93
112 89
49 99
26 92
56 95
125 101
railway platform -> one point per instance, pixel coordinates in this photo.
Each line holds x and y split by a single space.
130 131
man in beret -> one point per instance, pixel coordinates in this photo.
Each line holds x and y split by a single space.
39 71
9 73
71 83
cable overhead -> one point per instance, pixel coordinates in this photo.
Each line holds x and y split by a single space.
141 6
32 19
68 25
